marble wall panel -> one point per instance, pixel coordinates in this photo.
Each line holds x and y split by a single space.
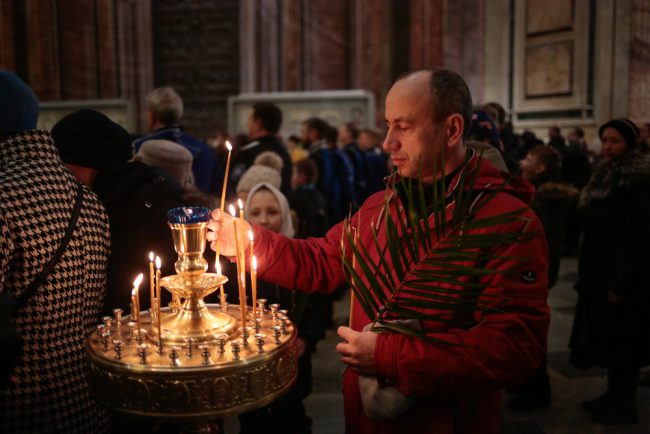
639 73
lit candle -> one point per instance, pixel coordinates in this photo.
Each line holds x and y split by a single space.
158 300
222 293
251 247
240 281
254 282
225 178
240 204
151 287
135 298
223 191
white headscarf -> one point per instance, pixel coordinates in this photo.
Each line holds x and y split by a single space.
287 223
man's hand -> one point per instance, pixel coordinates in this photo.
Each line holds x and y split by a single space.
358 350
222 224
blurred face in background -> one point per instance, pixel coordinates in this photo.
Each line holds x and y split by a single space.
264 210
613 144
344 135
530 166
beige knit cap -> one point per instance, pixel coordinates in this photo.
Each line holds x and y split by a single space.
169 156
266 168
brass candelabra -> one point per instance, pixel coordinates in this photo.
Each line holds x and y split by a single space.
193 361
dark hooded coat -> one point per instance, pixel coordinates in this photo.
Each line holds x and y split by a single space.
615 208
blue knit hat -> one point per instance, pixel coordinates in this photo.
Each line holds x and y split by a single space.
482 129
18 104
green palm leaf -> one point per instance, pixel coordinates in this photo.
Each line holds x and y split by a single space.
434 257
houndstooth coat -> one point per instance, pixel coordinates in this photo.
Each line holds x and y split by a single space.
37 195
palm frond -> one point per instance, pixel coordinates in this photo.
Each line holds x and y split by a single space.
433 261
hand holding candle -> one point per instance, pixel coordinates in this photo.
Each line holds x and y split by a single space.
221 223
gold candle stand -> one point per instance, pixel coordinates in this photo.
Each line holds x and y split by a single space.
204 368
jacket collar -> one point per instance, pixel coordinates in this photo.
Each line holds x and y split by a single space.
28 145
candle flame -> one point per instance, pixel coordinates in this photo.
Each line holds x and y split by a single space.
217 263
228 146
232 210
254 263
138 281
250 235
134 292
240 204
158 262
150 256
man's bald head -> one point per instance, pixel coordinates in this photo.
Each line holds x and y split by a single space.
448 92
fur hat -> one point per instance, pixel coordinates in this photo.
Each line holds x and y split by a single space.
266 168
18 104
626 127
169 156
90 139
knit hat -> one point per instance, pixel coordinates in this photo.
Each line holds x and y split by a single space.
90 139
482 129
287 224
626 127
266 168
18 104
169 156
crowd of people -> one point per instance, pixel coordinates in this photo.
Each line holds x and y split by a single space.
83 204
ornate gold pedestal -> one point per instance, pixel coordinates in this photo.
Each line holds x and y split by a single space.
192 389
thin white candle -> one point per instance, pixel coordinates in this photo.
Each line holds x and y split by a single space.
225 178
254 282
241 282
151 287
221 291
158 302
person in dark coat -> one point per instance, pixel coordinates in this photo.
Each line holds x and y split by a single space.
611 327
264 122
553 201
306 202
164 113
136 197
556 140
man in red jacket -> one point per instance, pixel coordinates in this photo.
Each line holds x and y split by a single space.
449 388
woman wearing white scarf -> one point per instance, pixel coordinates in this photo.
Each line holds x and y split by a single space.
253 211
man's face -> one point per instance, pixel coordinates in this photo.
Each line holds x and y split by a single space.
251 124
413 140
530 166
344 135
304 134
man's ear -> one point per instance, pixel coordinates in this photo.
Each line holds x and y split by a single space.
455 127
539 168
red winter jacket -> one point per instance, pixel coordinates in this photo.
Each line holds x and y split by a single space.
458 387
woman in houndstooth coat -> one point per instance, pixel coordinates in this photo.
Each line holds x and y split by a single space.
49 392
